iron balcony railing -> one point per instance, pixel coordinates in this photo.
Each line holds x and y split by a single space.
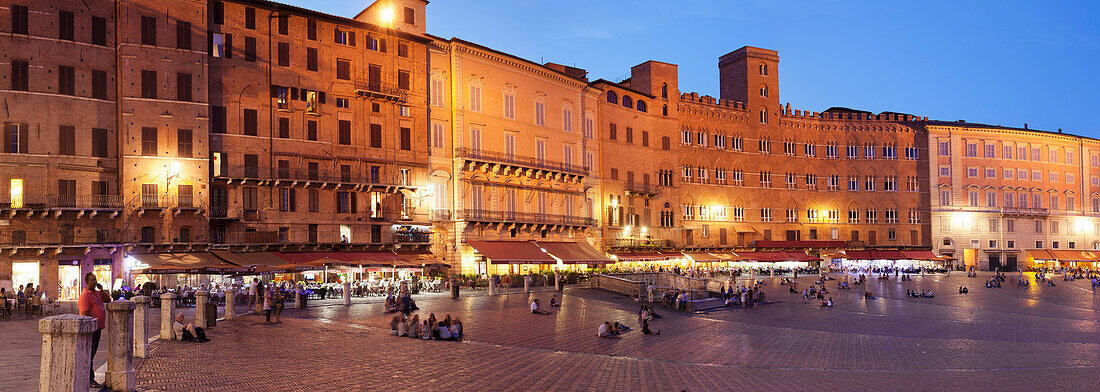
81 201
520 160
327 175
440 215
639 243
648 189
67 235
381 90
525 217
300 234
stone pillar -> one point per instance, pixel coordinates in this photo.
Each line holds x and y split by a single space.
120 346
772 270
141 326
347 293
492 286
527 284
557 282
201 298
66 355
299 300
230 304
167 315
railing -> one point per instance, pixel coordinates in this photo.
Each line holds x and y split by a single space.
326 175
90 201
225 212
440 215
633 288
298 234
639 243
383 90
520 160
412 237
525 217
1025 211
634 187
151 202
185 201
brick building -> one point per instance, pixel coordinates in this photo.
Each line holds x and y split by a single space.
243 128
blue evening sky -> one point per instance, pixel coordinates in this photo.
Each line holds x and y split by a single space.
996 62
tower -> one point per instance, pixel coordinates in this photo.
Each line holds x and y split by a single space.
751 75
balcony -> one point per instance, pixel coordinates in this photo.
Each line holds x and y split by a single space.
1023 211
60 202
639 243
440 215
375 89
60 238
644 190
224 212
302 235
308 177
475 156
525 218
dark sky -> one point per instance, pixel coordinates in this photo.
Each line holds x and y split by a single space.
997 62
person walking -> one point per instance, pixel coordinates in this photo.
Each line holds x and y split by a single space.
278 310
268 302
90 304
252 294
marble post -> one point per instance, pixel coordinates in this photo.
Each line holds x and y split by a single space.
527 284
557 282
167 315
120 346
230 304
141 326
201 298
66 352
347 293
299 300
492 286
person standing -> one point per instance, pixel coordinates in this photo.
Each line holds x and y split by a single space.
252 294
268 302
91 305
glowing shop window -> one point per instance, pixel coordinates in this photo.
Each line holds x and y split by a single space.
16 187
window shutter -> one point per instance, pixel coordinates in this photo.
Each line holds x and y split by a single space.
336 35
354 197
321 97
294 93
228 46
23 147
382 45
274 91
209 43
351 38
7 138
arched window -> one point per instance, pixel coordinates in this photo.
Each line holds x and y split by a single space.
641 105
664 90
612 97
764 91
627 102
664 110
763 116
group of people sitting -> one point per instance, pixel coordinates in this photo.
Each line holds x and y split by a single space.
906 277
447 329
536 308
743 297
963 290
920 294
827 303
813 292
401 303
674 298
995 281
607 330
843 286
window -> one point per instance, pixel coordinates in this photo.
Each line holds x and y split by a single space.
402 49
148 30
410 16
945 171
66 80
66 140
249 122
183 143
99 31
763 116
437 94
183 35
990 172
765 147
19 23
284 128
343 69
376 135
540 113
311 130
99 143
945 198
149 84
853 183
65 25
990 151
149 141
629 135
853 151
311 29
475 98
971 150
567 120
249 49
627 101
764 69
217 119
403 80
853 216
183 87
99 84
283 24
344 37
810 149
284 54
343 103
344 132
406 138
972 172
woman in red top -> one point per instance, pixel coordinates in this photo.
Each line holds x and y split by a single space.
91 305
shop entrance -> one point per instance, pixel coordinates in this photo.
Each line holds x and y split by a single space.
1010 263
24 272
68 277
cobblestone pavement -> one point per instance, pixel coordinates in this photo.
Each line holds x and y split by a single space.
1012 338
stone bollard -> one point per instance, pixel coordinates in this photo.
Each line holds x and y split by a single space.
141 326
120 346
230 304
557 282
66 352
299 300
201 298
167 315
492 286
347 293
527 284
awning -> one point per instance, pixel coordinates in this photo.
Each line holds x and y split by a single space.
703 257
773 256
1040 254
188 263
575 252
344 259
1074 255
920 255
887 255
800 244
250 258
512 252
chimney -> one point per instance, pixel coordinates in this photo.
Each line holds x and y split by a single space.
1059 130
1025 125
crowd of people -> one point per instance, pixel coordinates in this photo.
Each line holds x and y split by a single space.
743 296
920 294
431 329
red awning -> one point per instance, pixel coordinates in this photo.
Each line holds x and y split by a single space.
574 252
920 255
773 256
643 256
346 259
1040 254
800 244
189 263
512 252
703 257
889 255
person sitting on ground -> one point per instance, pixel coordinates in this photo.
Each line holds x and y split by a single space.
393 324
402 326
829 303
414 326
605 331
868 295
554 300
620 328
188 332
536 309
1050 283
653 313
425 330
456 329
646 330
444 332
